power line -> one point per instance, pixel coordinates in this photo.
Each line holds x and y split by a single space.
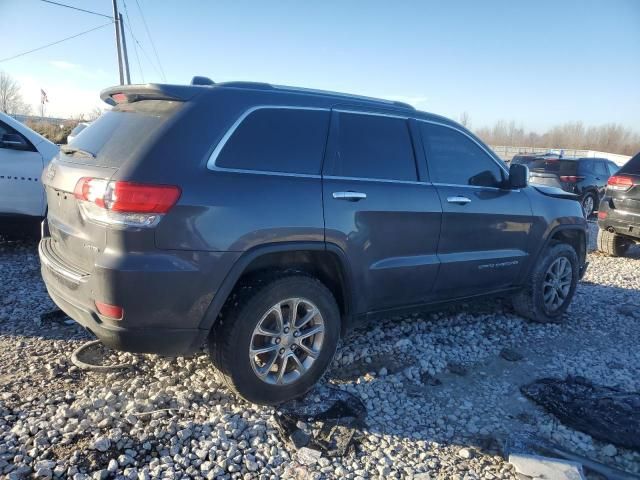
135 39
153 45
54 43
137 42
135 48
76 8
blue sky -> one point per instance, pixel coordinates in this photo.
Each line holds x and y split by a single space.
539 62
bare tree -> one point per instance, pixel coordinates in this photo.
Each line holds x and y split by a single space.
94 114
11 101
611 137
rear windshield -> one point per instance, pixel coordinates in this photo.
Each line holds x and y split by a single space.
632 167
118 132
553 165
523 159
78 129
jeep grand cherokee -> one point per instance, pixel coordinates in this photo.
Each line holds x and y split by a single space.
268 220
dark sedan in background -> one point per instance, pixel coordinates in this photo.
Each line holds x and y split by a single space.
586 177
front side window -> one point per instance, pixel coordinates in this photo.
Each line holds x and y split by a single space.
284 140
13 140
455 159
373 146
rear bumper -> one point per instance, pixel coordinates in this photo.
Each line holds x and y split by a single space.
162 308
162 341
621 222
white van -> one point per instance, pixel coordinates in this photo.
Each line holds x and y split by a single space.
23 155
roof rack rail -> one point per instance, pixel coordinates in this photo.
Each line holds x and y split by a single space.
244 84
345 95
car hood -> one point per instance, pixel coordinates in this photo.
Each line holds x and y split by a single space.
555 192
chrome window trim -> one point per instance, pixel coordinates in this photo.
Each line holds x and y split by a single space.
374 114
491 156
458 185
211 163
381 180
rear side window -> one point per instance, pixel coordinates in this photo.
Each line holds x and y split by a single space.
284 140
118 132
586 166
601 168
455 159
613 168
373 146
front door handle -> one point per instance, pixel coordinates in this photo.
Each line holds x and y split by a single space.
349 196
460 200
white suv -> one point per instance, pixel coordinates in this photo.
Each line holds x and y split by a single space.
23 155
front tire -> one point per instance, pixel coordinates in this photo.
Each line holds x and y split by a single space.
275 339
550 286
611 243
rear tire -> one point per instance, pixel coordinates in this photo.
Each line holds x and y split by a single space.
550 286
589 204
251 320
612 244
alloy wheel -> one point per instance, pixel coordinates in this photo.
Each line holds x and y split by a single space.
286 341
557 284
588 206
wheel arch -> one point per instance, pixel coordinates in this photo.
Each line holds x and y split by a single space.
573 235
327 262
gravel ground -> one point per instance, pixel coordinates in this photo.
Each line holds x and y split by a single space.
440 398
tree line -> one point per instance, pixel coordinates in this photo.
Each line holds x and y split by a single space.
609 137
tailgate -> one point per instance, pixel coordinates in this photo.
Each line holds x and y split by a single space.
548 179
75 241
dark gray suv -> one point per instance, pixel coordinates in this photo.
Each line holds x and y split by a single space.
268 220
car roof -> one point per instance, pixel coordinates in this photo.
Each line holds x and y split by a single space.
189 92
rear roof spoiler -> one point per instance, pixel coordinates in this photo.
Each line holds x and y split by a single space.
150 91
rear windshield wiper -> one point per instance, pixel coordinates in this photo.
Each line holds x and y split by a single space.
74 150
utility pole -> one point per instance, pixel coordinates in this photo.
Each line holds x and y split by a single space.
124 50
116 22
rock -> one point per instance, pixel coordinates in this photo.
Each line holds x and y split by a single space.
100 474
544 467
113 465
610 451
251 465
511 355
457 369
43 472
308 456
102 444
465 453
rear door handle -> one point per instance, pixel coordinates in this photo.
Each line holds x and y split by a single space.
459 200
349 196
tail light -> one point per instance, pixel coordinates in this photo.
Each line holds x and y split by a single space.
111 311
602 215
570 178
125 203
620 182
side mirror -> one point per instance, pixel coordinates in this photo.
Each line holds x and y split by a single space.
518 176
13 140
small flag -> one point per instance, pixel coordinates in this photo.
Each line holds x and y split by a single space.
43 97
